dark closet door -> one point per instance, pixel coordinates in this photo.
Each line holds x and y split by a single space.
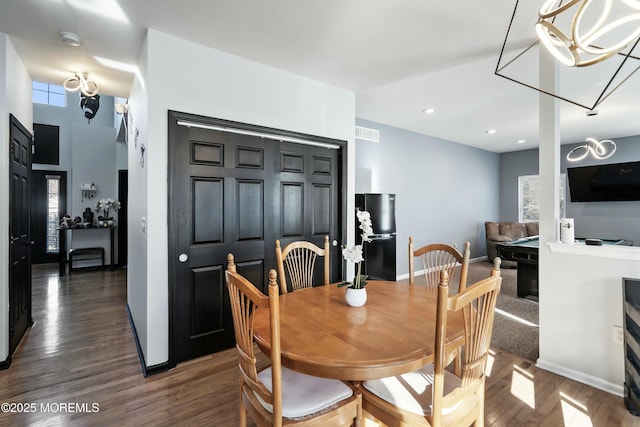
309 200
234 193
19 233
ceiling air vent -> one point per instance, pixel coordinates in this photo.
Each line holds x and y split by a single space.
367 134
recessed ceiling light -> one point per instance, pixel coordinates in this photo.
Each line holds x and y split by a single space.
429 111
521 141
69 38
490 131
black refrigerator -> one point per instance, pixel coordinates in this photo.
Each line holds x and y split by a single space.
379 254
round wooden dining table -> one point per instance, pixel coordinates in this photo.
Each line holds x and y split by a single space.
393 333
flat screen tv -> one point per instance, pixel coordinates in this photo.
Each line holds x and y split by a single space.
605 183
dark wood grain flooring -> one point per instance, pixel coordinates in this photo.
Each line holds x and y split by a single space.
78 366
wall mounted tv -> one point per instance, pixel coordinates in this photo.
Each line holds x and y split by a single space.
605 183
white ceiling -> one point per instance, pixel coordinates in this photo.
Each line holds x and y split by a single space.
400 57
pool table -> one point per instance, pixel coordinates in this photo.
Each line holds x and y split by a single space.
525 253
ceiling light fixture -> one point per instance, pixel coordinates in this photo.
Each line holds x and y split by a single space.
81 81
600 150
429 111
602 34
69 38
490 131
521 141
575 46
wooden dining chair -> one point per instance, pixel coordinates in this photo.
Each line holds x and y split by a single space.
299 258
437 257
278 396
433 396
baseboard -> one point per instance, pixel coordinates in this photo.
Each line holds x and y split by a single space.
146 370
418 272
6 363
581 377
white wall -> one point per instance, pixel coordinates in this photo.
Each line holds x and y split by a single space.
15 98
88 152
580 287
137 263
184 76
444 191
581 300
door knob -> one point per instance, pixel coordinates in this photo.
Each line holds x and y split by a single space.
183 257
334 243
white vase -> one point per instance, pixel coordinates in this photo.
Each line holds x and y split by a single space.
355 297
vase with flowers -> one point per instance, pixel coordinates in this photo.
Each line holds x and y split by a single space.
105 205
356 294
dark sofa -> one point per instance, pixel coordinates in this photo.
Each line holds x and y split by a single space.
505 231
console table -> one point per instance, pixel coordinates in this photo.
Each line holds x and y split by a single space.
63 260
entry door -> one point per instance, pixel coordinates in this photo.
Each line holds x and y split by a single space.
48 206
19 233
235 193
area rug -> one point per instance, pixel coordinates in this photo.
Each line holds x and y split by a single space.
515 327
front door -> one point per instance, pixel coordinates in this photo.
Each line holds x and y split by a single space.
237 193
48 206
19 233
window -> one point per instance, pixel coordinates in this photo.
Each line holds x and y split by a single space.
44 93
529 197
53 214
46 144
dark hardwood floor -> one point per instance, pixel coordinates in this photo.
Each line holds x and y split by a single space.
78 366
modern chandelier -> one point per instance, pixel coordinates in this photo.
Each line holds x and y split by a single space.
81 81
598 149
591 39
593 35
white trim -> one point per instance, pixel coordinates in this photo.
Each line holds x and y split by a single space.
590 380
258 134
604 251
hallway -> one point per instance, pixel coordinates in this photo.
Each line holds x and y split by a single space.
78 364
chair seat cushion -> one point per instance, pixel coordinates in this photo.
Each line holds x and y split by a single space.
304 394
412 392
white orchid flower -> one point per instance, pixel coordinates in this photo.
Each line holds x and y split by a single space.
353 253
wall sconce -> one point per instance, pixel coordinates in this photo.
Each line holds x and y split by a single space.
87 87
123 110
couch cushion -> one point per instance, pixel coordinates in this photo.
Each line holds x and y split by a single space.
491 228
500 238
533 228
515 230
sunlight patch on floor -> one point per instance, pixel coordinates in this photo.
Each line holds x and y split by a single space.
522 386
574 413
516 318
52 334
